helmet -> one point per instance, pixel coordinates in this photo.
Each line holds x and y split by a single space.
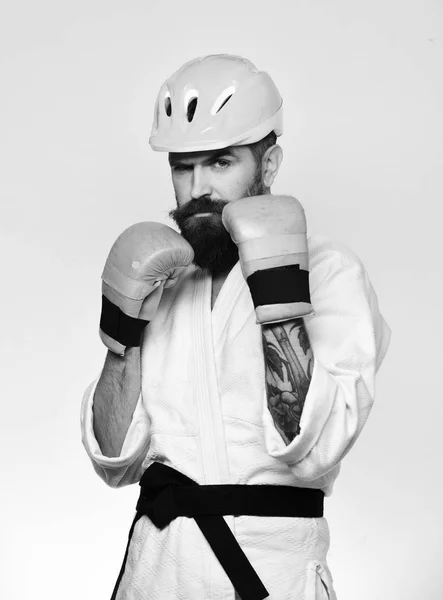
213 102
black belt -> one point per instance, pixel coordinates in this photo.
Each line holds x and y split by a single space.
166 494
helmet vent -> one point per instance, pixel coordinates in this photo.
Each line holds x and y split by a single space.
192 105
224 102
168 106
222 99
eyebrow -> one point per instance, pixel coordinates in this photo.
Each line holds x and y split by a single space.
222 152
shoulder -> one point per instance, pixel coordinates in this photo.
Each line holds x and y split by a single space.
341 291
328 256
322 247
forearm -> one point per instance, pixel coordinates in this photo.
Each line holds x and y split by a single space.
115 399
288 367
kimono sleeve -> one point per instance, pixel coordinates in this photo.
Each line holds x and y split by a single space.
349 339
128 467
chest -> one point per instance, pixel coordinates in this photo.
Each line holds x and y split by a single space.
215 290
216 287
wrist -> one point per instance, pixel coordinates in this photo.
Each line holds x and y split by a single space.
118 330
280 293
279 285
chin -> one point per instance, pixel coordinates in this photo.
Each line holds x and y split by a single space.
218 261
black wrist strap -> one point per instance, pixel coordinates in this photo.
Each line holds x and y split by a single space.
119 326
279 285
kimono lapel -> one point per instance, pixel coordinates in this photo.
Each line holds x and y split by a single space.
212 444
207 327
226 301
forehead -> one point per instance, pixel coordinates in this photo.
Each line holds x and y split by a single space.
206 156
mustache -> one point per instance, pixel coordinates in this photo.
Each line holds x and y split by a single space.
199 205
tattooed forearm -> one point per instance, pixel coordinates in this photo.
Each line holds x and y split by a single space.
288 365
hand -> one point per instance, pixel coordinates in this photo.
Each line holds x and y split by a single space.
144 259
270 232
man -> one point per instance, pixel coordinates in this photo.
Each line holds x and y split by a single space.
241 363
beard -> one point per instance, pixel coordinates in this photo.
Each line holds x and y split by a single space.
213 247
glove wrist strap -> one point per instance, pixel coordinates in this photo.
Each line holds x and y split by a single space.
119 326
279 285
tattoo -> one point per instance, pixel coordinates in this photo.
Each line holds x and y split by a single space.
288 364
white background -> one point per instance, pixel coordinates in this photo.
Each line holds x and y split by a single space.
363 92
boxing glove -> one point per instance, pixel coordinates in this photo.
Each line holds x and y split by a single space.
270 232
146 258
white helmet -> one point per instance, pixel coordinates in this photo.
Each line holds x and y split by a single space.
213 102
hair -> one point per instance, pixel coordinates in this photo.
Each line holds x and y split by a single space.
259 148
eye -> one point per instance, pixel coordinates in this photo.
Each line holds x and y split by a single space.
222 163
180 168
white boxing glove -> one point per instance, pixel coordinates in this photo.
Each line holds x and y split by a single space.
270 232
144 259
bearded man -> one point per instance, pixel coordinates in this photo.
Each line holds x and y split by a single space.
241 363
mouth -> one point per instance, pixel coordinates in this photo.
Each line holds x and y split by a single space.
206 214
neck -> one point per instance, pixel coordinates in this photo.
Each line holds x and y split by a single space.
221 274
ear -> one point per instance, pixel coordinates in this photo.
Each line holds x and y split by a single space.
270 164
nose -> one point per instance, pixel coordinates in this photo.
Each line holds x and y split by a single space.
201 185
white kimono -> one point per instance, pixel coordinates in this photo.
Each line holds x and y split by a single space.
203 411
